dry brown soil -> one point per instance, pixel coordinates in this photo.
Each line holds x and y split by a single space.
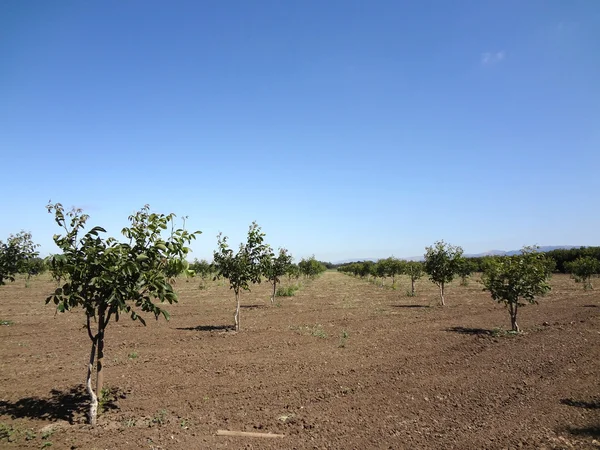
343 364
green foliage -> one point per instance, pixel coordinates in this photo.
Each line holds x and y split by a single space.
108 278
293 271
15 255
7 323
311 268
441 263
465 268
244 267
414 270
202 268
287 291
517 280
276 267
583 269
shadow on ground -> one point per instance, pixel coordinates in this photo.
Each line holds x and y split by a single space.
472 331
62 405
208 328
410 306
594 404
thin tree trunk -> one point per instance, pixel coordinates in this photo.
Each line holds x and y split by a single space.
513 317
442 294
412 286
236 316
273 296
93 412
100 360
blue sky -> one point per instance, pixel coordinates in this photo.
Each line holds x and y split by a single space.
346 129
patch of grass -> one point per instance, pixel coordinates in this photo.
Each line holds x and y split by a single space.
133 355
344 335
129 423
410 293
7 323
287 291
160 417
8 432
312 330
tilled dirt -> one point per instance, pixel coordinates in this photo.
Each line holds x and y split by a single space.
343 364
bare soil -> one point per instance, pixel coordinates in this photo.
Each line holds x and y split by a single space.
343 364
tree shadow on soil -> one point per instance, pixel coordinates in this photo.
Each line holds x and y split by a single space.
472 331
594 404
591 431
62 405
253 306
410 306
209 328
590 306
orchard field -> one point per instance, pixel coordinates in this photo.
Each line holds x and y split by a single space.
342 364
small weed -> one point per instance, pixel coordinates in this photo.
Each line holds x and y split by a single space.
47 444
287 291
133 355
287 418
343 338
184 423
48 433
410 293
129 423
30 435
160 417
318 331
7 323
8 432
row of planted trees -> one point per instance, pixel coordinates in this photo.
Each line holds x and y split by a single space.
109 278
512 280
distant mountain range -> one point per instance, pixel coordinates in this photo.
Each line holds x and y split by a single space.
545 248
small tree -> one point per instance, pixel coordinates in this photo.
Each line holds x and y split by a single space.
395 267
311 268
244 267
441 263
414 270
293 271
15 254
276 267
108 278
464 269
583 269
514 280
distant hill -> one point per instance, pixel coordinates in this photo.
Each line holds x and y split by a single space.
545 248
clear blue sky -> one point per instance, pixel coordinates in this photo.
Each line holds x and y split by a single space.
345 128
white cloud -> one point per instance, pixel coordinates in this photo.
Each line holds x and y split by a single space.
490 58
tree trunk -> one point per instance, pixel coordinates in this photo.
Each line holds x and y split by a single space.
412 286
513 308
273 296
236 316
93 413
100 360
442 294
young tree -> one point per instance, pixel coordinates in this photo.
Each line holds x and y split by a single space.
244 267
464 269
512 280
108 278
395 267
414 270
583 269
276 267
15 254
293 271
441 263
311 267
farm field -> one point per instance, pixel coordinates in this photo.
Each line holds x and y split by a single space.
342 364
